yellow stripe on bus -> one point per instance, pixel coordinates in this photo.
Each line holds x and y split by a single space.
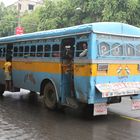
51 67
113 70
79 69
85 69
123 69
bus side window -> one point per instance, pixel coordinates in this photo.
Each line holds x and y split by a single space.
138 50
55 50
15 51
26 52
81 49
130 50
0 52
3 52
47 50
39 50
32 51
20 51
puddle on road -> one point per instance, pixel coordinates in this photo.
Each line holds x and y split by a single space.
23 116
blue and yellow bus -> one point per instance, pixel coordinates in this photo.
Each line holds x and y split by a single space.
51 63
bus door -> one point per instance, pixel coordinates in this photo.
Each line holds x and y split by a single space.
9 51
67 76
9 54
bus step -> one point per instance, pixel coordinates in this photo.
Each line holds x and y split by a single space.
71 102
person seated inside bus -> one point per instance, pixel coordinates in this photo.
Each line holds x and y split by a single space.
39 54
84 50
55 54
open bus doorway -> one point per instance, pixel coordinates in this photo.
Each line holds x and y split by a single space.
8 67
7 80
67 66
9 51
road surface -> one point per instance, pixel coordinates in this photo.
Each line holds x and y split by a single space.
23 117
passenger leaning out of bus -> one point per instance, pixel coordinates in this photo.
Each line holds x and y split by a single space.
68 53
8 71
84 50
68 59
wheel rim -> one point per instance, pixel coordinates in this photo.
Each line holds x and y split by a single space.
50 96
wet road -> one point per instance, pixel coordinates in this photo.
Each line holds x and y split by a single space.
23 117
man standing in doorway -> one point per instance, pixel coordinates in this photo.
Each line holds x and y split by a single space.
8 74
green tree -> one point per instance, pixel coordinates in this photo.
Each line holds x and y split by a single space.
8 20
125 11
30 21
63 13
47 17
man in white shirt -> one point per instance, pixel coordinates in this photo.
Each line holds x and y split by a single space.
84 52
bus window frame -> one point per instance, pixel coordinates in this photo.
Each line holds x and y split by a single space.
32 53
81 50
26 54
15 54
134 49
52 55
111 43
77 40
99 49
29 43
48 52
39 53
123 49
21 53
4 52
136 46
2 46
122 41
1 51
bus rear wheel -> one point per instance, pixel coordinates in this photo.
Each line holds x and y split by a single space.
50 99
2 89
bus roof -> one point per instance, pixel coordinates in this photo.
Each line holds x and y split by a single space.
114 28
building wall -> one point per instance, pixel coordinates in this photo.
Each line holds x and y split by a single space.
27 5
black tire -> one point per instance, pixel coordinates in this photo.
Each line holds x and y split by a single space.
16 89
50 99
86 110
2 89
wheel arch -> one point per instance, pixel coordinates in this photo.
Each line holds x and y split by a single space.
44 82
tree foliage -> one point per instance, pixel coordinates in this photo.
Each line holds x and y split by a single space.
63 13
121 11
8 20
30 21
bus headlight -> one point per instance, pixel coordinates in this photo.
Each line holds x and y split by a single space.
102 67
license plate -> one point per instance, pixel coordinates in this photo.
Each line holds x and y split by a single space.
135 104
100 109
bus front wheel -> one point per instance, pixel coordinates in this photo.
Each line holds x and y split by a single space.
50 99
2 89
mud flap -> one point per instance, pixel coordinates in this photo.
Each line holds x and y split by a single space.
135 104
100 109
